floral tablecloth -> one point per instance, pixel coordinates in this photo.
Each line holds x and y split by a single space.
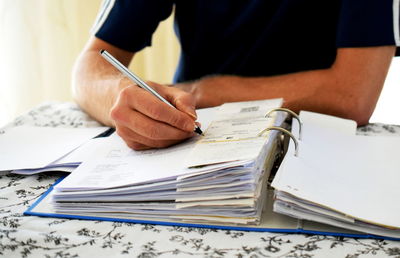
28 236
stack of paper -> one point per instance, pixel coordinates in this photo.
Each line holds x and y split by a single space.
220 177
33 149
342 179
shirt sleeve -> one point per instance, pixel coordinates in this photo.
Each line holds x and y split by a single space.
130 24
364 23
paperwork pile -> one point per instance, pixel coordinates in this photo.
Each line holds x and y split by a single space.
340 178
220 177
34 149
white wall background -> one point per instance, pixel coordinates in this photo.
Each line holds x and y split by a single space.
388 108
40 39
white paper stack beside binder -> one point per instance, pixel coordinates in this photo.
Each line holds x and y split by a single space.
33 149
339 178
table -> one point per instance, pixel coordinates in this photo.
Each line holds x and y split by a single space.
28 236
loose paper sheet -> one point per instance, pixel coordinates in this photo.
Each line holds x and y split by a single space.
25 147
234 134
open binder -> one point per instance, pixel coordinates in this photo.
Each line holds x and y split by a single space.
304 212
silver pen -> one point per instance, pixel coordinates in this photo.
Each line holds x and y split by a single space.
112 60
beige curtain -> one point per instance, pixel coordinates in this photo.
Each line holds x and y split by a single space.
40 40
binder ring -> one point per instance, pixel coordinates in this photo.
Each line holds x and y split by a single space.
296 143
290 112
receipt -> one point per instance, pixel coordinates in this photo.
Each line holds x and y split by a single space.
235 133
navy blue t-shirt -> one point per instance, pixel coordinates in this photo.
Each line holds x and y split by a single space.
252 38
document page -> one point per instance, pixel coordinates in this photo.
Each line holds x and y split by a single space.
235 133
118 165
114 164
25 147
352 174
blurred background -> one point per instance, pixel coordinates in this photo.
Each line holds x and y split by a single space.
40 40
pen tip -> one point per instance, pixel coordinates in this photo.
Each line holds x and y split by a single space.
101 51
198 130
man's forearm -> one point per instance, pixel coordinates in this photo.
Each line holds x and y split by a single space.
300 91
96 85
349 89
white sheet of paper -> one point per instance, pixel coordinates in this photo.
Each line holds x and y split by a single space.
25 147
234 134
114 163
112 170
354 174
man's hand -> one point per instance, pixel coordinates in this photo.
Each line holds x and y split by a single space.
145 122
142 120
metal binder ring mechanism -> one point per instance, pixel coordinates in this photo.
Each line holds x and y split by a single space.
296 143
290 112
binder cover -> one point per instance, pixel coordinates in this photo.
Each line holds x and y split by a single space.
270 222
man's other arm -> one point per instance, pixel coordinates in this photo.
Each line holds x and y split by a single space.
349 89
